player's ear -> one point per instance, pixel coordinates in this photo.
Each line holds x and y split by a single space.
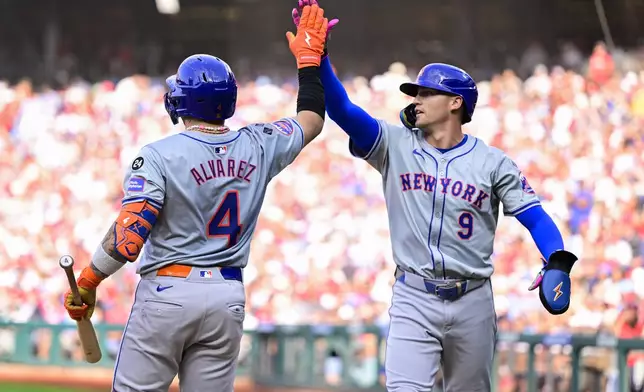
456 102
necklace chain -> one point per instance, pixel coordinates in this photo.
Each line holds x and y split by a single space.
202 128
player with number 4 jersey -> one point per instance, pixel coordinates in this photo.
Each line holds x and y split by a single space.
193 199
444 190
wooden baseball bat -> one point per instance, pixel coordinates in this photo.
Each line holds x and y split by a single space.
86 332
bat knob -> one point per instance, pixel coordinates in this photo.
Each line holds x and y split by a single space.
66 261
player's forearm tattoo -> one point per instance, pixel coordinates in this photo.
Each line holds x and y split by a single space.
107 259
109 245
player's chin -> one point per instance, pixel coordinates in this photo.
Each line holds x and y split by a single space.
421 122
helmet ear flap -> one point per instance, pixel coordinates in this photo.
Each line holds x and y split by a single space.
170 108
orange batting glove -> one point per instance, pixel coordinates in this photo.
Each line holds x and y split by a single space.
87 283
308 45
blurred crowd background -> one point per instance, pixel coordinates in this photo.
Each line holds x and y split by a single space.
571 115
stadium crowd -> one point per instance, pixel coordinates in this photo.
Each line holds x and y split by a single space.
321 253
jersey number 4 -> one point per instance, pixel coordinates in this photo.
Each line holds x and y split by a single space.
466 221
226 222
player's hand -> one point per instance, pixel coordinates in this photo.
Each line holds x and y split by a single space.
87 283
86 309
553 282
408 116
308 45
295 14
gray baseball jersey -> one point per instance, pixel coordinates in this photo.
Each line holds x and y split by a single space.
443 205
210 189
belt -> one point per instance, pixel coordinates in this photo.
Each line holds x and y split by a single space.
451 290
183 271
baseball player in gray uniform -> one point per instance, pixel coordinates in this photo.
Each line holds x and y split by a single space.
443 190
193 199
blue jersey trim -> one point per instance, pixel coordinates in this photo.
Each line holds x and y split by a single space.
440 231
212 143
358 153
431 219
523 208
154 203
118 355
460 144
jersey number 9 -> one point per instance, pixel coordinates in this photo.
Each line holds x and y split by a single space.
225 222
466 221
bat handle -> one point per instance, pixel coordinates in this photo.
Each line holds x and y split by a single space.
67 263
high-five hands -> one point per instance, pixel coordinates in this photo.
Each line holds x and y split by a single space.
295 14
308 44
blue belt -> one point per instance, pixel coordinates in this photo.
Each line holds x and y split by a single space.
450 290
232 273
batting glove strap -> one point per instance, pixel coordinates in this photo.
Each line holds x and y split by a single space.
561 260
88 279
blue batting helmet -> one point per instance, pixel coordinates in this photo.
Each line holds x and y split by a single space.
204 88
448 79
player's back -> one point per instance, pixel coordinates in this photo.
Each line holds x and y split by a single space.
213 188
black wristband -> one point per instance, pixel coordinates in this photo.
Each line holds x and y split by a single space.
310 95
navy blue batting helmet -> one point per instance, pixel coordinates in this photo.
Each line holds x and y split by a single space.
204 88
448 79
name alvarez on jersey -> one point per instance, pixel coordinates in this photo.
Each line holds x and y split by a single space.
222 168
427 183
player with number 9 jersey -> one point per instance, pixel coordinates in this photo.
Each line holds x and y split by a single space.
444 191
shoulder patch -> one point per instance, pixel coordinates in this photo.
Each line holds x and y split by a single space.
137 163
284 126
525 185
136 184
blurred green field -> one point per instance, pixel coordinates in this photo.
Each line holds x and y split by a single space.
14 387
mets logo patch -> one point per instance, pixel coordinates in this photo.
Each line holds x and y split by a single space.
136 184
525 186
284 126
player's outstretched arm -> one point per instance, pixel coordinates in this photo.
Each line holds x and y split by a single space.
355 121
358 124
308 46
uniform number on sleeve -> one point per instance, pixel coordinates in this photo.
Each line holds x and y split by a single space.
466 221
225 222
